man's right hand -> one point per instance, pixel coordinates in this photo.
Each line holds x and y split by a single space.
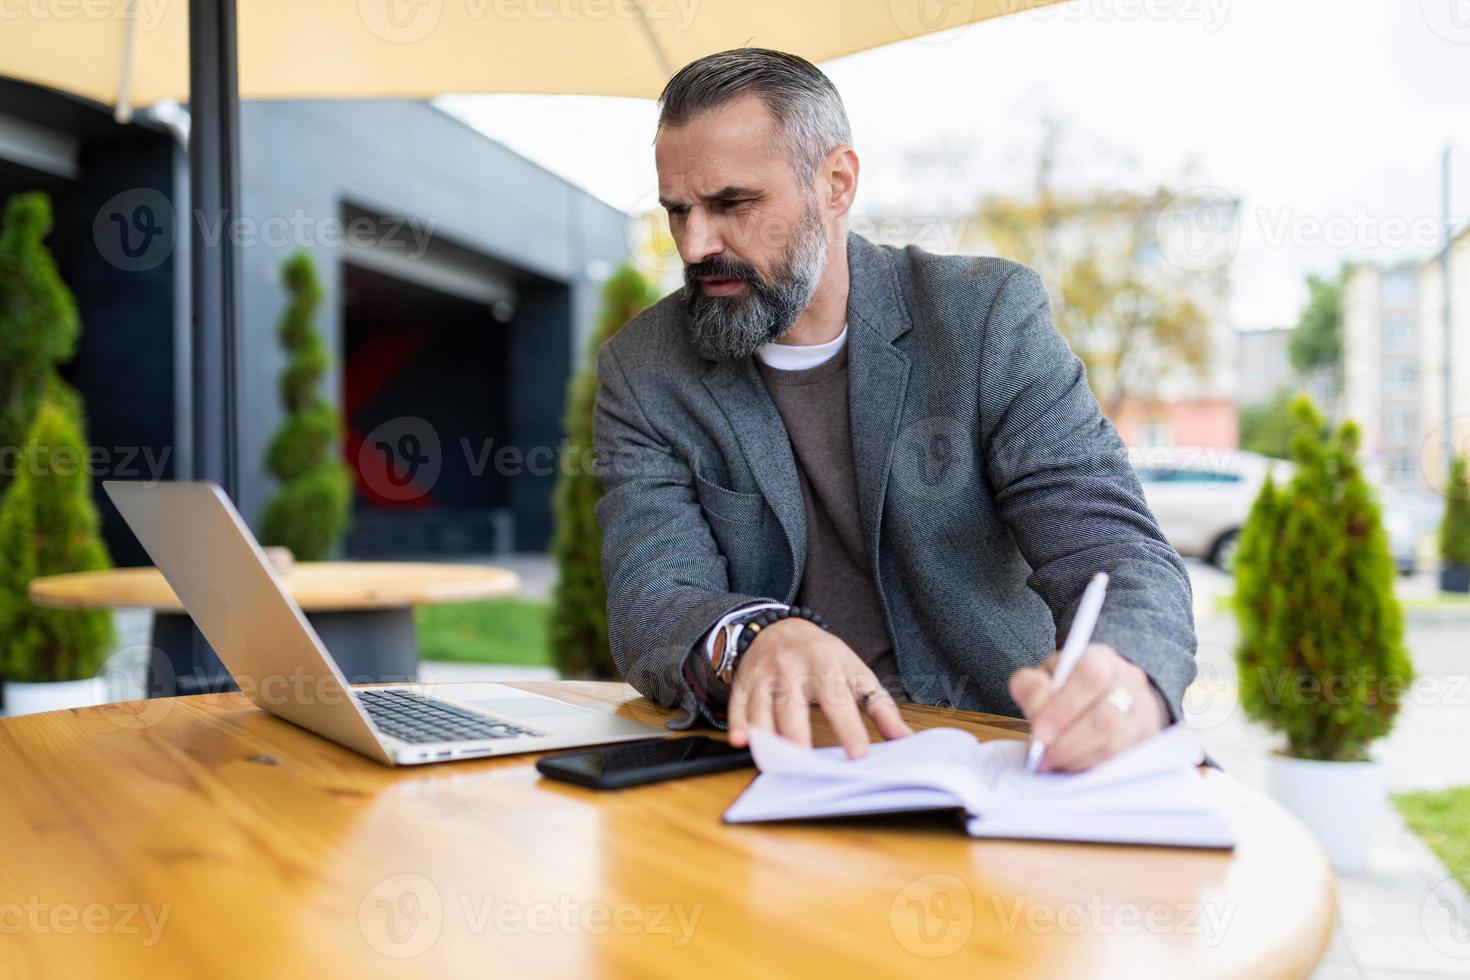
793 664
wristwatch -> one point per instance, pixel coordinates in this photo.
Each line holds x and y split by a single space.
738 632
729 650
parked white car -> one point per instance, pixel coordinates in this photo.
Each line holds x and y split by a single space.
1201 497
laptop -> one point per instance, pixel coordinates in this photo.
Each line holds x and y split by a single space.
195 536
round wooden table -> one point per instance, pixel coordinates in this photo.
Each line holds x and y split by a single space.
202 837
363 612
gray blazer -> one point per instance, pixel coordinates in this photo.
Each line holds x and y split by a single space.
990 488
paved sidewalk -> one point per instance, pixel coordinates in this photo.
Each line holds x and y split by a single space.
1402 917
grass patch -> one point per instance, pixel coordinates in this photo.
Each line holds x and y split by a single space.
493 631
1442 819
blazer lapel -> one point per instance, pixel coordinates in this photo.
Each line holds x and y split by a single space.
878 376
742 396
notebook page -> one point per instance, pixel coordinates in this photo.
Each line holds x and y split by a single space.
928 770
1123 778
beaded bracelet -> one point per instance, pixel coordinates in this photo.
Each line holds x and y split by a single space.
766 617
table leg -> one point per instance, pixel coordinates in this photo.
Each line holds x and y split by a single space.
175 637
371 646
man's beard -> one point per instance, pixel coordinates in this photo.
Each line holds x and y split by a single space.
733 327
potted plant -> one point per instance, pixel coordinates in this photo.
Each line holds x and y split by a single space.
48 523
1321 655
1454 531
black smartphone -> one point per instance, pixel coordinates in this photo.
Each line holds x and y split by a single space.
652 760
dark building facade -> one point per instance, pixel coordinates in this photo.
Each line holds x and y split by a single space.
460 284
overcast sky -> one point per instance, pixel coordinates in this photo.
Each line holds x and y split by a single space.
1325 118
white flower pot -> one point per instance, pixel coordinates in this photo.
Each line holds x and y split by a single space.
30 699
1341 802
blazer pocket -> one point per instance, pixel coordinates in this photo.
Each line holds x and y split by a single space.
730 505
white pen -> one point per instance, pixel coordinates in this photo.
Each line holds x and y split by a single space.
1077 639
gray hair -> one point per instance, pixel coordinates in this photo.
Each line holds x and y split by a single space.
803 100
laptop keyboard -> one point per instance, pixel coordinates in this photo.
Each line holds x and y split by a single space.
413 717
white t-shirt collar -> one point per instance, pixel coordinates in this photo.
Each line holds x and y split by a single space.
799 357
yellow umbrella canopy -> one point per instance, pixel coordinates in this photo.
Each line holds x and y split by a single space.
137 53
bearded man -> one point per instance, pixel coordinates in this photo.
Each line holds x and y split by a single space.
838 474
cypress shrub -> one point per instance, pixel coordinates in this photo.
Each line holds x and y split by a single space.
1454 528
48 522
1321 655
310 510
38 323
579 644
48 525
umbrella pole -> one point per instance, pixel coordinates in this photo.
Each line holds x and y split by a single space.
214 185
214 189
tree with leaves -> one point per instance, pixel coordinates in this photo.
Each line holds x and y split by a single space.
1316 344
309 512
1266 429
48 522
1321 655
1128 320
1454 527
579 641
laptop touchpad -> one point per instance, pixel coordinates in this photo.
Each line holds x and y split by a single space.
525 707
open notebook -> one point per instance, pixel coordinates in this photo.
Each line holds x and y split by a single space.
1150 794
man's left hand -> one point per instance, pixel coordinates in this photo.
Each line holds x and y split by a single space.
1085 721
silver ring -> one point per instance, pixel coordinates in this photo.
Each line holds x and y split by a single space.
1121 700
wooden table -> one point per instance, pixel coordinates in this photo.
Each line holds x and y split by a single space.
363 612
260 850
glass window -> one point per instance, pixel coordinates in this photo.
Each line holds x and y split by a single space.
1399 426
1398 333
1400 379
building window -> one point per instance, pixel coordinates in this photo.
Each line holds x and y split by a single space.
1401 469
1400 379
1398 426
1398 333
1400 287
